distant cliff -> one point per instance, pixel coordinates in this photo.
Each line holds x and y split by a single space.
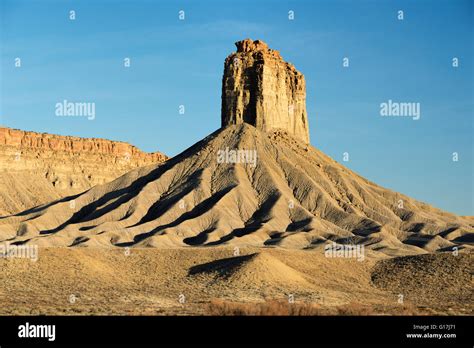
36 168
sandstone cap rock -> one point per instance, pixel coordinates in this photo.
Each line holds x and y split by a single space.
260 88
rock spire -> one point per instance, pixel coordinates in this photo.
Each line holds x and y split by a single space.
260 88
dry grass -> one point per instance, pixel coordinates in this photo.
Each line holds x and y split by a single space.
269 308
220 307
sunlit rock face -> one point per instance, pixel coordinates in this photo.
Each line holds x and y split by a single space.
260 88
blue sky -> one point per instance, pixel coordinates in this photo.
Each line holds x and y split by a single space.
177 62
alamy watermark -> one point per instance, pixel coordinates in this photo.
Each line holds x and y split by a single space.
345 250
75 109
237 156
28 330
396 109
10 251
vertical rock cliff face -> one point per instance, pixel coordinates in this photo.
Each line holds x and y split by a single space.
260 88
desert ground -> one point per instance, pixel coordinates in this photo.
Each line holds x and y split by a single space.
212 281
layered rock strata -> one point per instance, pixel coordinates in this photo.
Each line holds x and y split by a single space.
37 167
260 88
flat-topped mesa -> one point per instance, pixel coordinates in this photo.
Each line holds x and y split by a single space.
260 88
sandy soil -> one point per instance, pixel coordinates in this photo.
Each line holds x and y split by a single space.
150 281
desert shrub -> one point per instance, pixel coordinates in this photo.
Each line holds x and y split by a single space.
268 308
221 307
22 230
